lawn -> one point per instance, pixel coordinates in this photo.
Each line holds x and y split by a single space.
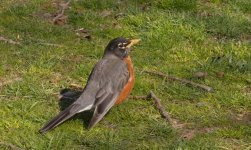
178 37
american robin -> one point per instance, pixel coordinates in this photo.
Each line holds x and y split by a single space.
109 84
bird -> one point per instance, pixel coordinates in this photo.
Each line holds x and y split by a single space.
109 84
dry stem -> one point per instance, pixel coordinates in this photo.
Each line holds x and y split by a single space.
11 146
204 87
10 41
10 81
64 7
158 105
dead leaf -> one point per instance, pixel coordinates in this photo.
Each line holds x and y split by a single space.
89 37
146 6
220 74
188 134
82 30
246 38
105 13
178 124
200 74
60 20
205 14
248 81
119 15
64 5
56 77
116 25
244 117
119 2
47 15
83 33
201 104
247 90
109 125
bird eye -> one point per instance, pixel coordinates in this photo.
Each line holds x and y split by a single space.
120 45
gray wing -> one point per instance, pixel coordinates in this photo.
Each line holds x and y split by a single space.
103 87
111 81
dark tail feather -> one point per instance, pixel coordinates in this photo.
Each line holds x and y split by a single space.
60 118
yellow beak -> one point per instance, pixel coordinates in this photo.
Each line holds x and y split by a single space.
133 42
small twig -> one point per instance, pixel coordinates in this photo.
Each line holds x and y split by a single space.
76 87
43 42
10 81
204 87
64 7
51 44
161 109
10 41
11 146
158 105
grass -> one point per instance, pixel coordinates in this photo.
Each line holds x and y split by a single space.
178 37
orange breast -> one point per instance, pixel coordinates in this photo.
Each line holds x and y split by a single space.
128 87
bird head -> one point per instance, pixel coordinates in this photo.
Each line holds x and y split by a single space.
120 47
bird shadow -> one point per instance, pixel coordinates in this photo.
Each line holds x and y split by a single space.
68 96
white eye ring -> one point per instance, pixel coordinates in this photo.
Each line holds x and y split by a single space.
120 45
